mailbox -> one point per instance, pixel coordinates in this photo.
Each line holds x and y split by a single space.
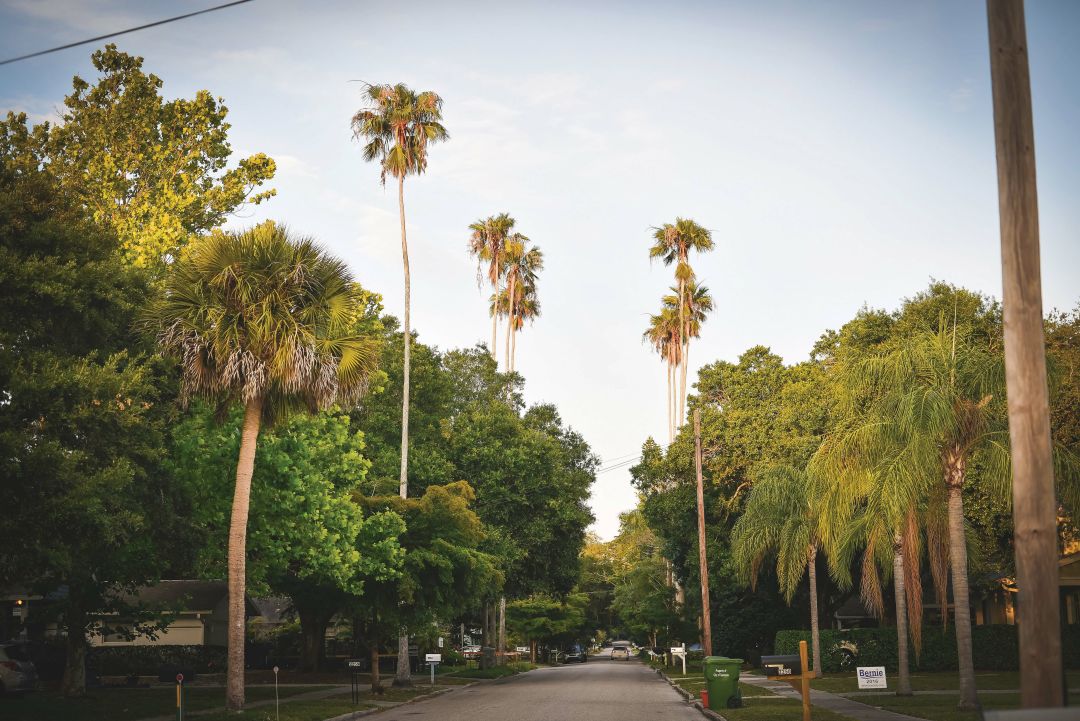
781 665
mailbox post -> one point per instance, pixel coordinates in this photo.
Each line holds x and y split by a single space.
433 660
679 652
179 697
794 670
354 665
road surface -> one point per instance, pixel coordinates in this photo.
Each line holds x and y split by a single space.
600 690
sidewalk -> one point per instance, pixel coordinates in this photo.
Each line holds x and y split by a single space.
830 701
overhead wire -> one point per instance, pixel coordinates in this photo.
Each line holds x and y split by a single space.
122 32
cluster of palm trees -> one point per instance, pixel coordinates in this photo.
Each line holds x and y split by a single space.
682 312
885 490
503 253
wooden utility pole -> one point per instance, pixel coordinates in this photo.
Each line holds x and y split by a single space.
1034 502
706 622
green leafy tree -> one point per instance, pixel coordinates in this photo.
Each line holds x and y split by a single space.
265 320
88 513
152 169
547 620
307 538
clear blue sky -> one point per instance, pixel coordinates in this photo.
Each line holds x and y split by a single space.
842 153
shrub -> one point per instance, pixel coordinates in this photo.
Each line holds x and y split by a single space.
994 647
148 660
451 657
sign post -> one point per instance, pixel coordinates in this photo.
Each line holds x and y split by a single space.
354 665
794 670
277 703
433 660
179 697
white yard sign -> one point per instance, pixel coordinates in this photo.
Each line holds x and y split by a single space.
871 677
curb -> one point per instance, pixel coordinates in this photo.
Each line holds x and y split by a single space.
689 698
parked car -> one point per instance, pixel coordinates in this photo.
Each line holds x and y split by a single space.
619 651
575 653
17 672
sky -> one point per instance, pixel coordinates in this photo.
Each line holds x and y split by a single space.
841 153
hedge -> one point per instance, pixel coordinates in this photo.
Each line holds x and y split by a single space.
147 660
994 647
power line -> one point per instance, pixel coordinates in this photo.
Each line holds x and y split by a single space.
122 32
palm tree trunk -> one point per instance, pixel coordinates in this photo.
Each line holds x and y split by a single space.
670 413
237 555
682 382
969 701
502 629
815 633
513 349
903 687
403 676
495 320
682 345
509 318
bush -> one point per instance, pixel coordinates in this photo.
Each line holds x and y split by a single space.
994 647
148 660
451 657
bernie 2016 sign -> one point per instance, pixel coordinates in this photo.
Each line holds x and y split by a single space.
871 677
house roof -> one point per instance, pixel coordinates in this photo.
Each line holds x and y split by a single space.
186 595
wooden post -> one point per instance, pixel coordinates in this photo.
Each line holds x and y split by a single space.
706 622
1034 503
804 681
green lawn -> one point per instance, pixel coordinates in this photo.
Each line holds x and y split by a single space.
774 708
126 704
313 710
694 686
940 681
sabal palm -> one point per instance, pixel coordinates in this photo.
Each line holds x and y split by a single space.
781 519
487 244
936 399
672 244
523 265
663 335
696 304
264 319
527 308
397 126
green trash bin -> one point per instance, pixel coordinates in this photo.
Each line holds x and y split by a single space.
722 681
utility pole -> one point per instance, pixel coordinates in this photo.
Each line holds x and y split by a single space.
1034 502
706 622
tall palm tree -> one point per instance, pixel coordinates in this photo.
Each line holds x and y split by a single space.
781 518
672 244
937 399
696 304
662 334
265 319
397 126
487 243
527 308
523 265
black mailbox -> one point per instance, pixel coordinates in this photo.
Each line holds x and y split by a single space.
781 665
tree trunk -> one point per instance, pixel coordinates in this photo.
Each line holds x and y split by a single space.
903 686
403 483
313 623
532 651
671 413
376 682
706 608
682 346
961 605
502 629
513 348
682 382
495 319
74 680
509 317
237 563
403 677
1034 501
815 634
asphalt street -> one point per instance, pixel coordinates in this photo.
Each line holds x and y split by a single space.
600 690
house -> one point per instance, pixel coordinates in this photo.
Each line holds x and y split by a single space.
199 611
999 606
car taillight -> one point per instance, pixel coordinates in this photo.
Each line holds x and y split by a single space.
10 665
